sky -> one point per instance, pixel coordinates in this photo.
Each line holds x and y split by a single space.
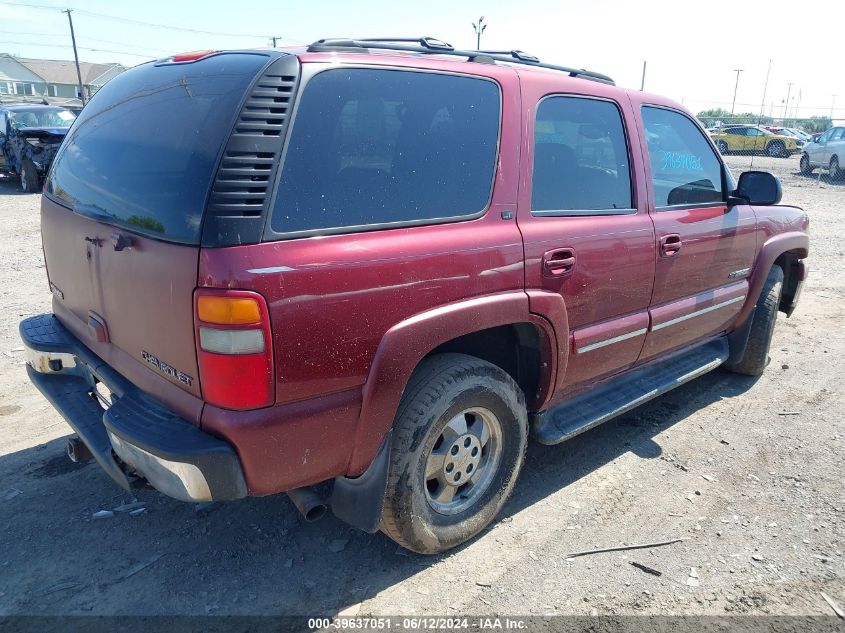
692 49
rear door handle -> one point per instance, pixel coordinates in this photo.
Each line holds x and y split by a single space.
559 262
670 245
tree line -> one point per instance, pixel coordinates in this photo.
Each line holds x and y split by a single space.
710 117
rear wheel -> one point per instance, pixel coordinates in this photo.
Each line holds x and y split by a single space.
458 445
723 147
29 177
776 149
804 165
756 355
835 172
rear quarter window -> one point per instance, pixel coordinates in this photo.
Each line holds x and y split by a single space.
143 152
372 148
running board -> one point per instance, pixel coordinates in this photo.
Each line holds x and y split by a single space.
623 394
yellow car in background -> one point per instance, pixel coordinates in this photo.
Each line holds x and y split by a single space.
754 139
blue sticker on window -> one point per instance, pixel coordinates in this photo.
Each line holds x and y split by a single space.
680 162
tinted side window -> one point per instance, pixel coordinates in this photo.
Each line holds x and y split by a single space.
838 134
737 131
684 168
580 157
370 147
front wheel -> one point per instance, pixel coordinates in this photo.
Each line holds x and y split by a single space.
835 172
459 441
29 177
756 355
723 147
804 165
776 149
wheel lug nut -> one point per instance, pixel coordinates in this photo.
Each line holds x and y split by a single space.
454 450
469 469
457 476
449 467
474 451
467 442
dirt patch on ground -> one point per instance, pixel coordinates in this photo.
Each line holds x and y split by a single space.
758 494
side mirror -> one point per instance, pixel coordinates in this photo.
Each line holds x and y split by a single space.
757 188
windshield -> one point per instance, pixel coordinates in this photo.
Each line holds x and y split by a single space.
41 118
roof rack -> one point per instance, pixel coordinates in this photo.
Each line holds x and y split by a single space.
433 45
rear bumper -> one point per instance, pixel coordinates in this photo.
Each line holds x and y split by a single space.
133 436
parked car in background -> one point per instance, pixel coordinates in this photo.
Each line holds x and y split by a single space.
30 136
801 134
754 139
788 131
826 152
272 270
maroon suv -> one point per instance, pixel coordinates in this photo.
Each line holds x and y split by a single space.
379 264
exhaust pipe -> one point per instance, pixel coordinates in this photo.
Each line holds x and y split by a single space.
310 506
77 450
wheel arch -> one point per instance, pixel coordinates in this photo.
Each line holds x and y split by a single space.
784 249
470 327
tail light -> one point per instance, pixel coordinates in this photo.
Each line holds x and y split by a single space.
234 348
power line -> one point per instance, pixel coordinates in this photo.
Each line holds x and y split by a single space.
85 37
82 48
132 21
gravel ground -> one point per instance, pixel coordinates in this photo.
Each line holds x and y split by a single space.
757 494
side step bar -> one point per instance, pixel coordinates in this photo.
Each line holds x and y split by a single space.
623 394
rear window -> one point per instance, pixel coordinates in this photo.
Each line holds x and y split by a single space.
143 152
376 147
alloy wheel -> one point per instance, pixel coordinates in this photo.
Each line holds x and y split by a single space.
463 460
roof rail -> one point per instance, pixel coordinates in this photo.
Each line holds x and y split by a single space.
433 45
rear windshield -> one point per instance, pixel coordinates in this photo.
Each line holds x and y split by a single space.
142 153
371 148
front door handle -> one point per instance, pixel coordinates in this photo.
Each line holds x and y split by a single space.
670 245
559 262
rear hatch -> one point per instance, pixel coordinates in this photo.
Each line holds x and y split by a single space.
123 211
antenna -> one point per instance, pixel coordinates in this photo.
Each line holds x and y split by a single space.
736 85
762 105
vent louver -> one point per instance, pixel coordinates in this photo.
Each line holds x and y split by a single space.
241 191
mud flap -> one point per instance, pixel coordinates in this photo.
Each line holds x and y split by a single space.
738 340
359 501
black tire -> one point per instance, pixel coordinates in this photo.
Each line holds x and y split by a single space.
756 356
836 172
776 149
804 165
441 388
722 147
29 177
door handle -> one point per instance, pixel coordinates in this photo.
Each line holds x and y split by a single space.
559 262
670 245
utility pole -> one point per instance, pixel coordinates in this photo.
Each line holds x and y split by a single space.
479 28
832 104
642 83
274 38
76 57
786 103
736 85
